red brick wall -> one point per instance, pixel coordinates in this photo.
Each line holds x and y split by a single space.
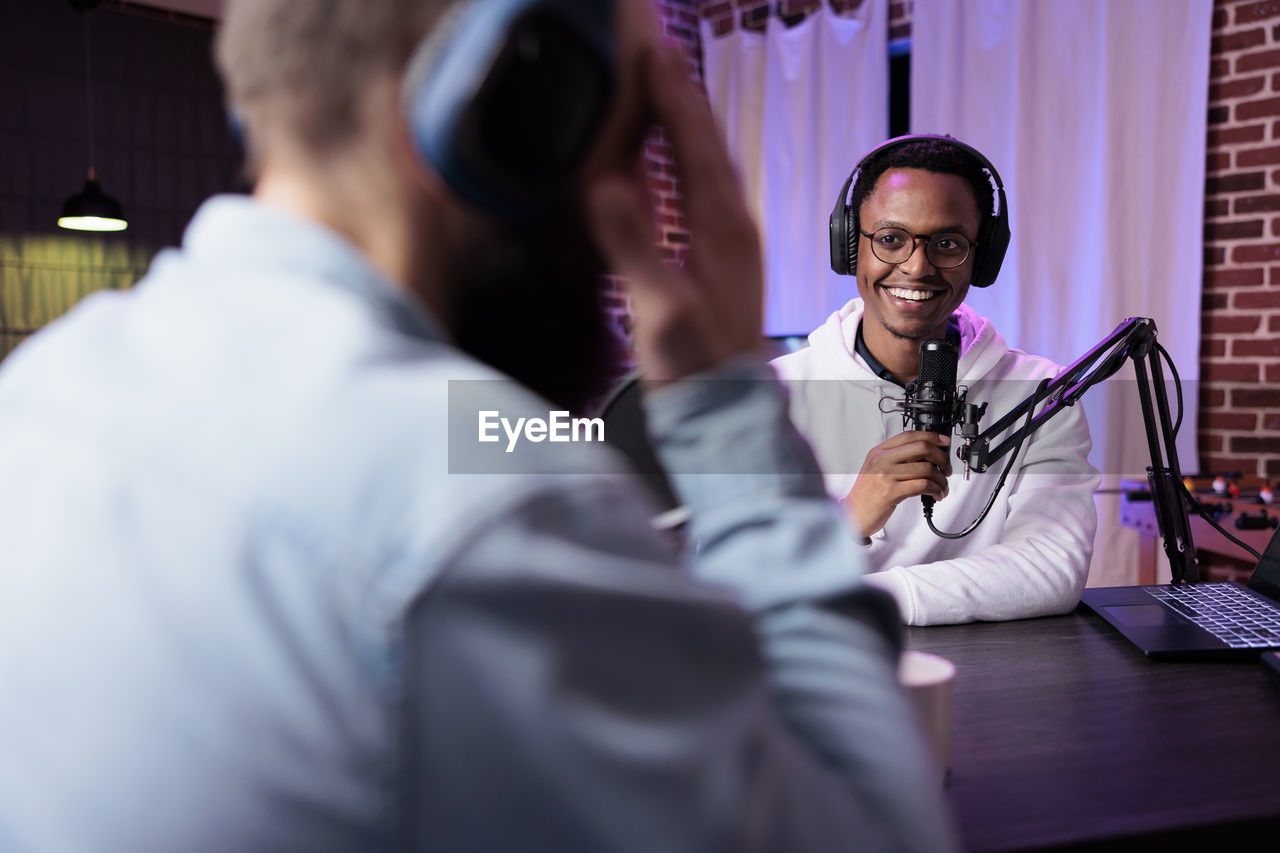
1240 346
899 19
680 25
754 13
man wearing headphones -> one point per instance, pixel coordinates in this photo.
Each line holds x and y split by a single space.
926 218
254 598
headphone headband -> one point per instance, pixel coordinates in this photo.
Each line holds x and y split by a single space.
993 234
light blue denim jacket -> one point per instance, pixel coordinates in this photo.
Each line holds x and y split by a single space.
251 600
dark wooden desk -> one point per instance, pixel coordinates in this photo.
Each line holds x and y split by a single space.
1065 736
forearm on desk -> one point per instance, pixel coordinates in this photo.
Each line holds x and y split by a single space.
1040 561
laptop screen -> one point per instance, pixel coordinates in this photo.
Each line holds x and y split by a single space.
1266 576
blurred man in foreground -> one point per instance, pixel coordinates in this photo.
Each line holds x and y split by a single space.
248 603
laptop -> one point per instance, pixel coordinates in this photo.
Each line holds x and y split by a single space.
1198 621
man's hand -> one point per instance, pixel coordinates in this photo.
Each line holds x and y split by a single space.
690 319
906 466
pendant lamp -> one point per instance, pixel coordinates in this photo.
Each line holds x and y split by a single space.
90 209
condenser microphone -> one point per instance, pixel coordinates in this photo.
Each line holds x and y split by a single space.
931 399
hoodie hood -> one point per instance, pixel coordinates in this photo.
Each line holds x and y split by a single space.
981 346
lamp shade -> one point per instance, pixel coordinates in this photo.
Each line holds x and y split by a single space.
92 210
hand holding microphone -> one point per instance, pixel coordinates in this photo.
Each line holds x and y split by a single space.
916 462
910 464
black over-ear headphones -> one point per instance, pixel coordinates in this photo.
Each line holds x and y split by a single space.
993 235
504 97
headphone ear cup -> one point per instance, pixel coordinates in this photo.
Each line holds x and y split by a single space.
994 241
838 230
844 244
851 236
504 98
983 275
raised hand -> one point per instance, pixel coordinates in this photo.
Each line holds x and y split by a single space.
689 319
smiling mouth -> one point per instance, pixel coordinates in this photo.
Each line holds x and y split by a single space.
911 294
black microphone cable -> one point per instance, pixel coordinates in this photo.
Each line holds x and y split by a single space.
1004 475
1182 486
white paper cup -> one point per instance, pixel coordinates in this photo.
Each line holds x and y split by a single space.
927 679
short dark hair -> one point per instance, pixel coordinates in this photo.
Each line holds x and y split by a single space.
931 155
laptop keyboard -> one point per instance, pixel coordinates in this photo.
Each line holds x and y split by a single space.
1239 619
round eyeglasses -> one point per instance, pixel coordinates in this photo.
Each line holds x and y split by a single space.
944 250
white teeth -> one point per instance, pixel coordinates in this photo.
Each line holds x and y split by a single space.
911 295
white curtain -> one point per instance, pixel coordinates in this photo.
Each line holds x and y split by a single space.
798 107
1093 112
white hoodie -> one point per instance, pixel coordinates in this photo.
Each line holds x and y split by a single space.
1030 556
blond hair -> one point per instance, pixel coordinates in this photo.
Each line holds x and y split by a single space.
299 67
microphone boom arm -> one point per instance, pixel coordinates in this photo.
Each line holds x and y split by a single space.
1134 339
